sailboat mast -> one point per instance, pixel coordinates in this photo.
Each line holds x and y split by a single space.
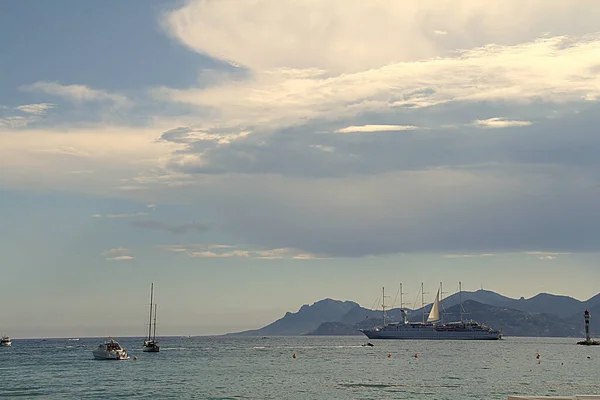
383 303
150 319
460 298
154 334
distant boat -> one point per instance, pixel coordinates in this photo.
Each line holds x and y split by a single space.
110 350
431 329
150 344
5 341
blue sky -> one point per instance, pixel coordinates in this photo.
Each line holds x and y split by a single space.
251 157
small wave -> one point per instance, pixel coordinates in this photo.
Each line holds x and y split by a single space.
370 386
316 347
259 347
173 348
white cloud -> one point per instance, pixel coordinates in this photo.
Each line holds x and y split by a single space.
546 253
117 251
178 248
500 123
326 149
118 254
545 69
442 33
468 255
118 216
346 37
75 93
16 121
458 256
45 158
377 128
37 109
120 258
228 251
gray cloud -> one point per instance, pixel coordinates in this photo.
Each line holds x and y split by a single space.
174 229
435 211
315 150
451 188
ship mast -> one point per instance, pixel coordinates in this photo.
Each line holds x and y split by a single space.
150 320
441 296
383 303
401 301
460 298
422 302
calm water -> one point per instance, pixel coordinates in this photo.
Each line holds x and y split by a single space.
325 368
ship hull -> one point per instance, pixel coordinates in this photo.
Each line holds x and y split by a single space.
416 331
433 335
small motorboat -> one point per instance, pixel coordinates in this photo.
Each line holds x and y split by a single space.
110 350
5 341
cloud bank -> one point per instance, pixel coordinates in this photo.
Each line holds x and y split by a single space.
475 134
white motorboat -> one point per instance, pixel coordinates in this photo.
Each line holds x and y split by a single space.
5 341
151 344
110 350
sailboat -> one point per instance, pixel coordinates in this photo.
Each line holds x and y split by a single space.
433 327
150 344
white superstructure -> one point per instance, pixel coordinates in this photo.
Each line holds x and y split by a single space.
5 341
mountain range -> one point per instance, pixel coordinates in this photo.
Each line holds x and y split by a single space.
542 315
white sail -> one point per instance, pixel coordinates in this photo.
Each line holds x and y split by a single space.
434 314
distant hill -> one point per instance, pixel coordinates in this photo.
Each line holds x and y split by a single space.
541 315
563 306
307 319
514 322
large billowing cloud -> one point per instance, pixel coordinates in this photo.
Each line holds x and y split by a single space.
350 128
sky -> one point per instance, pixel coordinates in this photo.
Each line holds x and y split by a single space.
249 157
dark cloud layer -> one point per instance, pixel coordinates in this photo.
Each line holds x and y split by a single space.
456 188
307 151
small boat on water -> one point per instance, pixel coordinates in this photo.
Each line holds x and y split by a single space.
110 350
5 341
150 344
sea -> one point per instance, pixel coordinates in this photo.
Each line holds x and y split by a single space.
324 367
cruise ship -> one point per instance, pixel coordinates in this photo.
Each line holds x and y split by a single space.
432 329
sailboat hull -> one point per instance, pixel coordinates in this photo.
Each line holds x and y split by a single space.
151 347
